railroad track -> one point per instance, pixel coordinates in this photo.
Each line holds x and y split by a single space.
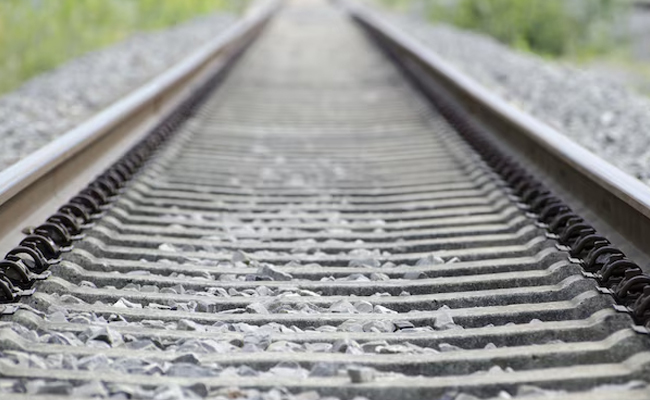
313 227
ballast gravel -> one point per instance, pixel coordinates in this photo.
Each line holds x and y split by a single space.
592 108
56 101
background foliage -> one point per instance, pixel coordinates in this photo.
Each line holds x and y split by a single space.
577 28
37 35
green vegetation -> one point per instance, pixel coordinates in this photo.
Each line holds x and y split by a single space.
574 28
37 35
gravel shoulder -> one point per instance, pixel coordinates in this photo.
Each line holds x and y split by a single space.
593 108
49 105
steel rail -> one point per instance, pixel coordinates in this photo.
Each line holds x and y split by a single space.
37 185
615 202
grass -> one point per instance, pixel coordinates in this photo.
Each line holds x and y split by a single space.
554 28
38 35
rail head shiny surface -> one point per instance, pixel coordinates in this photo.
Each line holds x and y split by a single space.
624 187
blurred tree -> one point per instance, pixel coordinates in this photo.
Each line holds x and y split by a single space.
549 27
